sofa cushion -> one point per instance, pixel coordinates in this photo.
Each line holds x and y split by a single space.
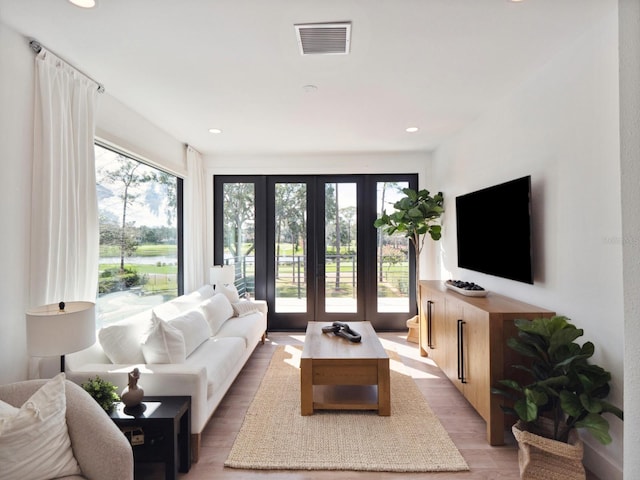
220 356
194 327
217 311
247 328
34 440
230 291
191 300
121 341
163 343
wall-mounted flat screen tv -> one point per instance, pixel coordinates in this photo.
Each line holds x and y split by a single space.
494 230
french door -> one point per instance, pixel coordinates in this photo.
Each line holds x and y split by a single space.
307 245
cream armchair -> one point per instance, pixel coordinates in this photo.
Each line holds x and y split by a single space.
100 448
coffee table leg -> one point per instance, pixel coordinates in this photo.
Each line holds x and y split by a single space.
306 387
384 388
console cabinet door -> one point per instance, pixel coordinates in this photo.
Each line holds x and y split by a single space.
475 359
452 364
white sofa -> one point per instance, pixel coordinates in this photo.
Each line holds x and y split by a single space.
193 345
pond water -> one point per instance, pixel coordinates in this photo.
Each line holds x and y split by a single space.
142 260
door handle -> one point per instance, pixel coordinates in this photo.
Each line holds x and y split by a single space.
429 323
461 375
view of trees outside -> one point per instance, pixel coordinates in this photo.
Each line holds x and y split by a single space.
340 247
290 231
393 255
291 246
239 233
137 205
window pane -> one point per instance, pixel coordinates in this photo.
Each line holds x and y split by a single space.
239 233
138 236
340 247
291 247
393 255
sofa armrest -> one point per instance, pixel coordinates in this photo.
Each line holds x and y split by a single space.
262 306
101 449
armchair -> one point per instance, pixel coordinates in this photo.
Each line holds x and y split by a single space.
100 448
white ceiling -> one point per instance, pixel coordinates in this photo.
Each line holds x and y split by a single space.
189 65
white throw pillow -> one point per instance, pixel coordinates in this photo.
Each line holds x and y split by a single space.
34 440
163 343
217 310
230 291
194 327
244 308
193 299
121 341
7 409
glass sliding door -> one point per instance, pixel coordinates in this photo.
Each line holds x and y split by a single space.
307 245
239 234
290 247
392 255
340 259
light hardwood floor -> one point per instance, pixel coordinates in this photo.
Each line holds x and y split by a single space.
465 426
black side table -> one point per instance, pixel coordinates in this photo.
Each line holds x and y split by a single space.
159 431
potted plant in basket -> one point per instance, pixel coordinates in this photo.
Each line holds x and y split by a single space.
558 392
416 215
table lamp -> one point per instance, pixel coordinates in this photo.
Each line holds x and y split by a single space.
221 275
60 328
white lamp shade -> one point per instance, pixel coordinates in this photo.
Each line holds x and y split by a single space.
51 331
222 274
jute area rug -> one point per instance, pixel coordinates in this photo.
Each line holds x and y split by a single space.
274 436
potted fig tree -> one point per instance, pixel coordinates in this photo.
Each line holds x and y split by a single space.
416 215
558 392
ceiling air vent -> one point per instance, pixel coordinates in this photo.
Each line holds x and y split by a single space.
324 38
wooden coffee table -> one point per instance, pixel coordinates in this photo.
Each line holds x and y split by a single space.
336 374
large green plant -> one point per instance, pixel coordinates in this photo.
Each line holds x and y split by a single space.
560 383
416 215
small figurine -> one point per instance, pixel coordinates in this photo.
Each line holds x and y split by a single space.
133 393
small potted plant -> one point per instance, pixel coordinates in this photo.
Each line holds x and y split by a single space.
558 392
103 392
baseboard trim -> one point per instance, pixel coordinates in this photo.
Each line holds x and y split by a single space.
600 465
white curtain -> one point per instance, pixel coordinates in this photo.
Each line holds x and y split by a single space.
194 223
64 210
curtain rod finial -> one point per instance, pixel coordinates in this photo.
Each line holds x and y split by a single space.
35 46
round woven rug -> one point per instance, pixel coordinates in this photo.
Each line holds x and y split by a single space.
275 436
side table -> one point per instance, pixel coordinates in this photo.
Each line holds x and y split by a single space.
159 431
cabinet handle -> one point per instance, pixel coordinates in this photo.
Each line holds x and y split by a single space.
461 376
429 322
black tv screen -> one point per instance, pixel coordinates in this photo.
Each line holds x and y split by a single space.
494 230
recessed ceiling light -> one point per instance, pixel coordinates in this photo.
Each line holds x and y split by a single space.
84 3
412 129
215 130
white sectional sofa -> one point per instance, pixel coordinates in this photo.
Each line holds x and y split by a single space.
193 345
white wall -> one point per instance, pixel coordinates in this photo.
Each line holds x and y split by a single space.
16 131
561 127
630 173
115 123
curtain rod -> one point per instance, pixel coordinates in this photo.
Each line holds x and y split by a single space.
37 47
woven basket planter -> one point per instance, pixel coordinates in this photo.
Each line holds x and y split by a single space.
542 458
